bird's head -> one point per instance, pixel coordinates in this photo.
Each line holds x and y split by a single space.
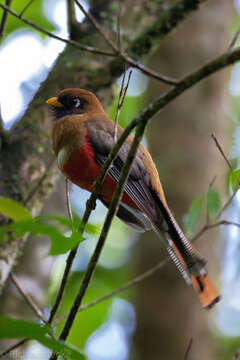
74 102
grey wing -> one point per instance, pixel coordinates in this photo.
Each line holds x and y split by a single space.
138 186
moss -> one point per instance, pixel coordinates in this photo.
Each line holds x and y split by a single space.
168 21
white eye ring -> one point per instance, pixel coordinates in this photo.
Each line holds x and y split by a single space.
77 102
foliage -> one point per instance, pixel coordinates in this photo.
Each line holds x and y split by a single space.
213 203
233 179
104 281
191 219
24 224
130 108
14 210
14 328
227 347
209 203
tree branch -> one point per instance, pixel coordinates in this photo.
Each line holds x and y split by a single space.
46 32
207 227
25 8
122 94
171 18
106 226
221 151
122 288
121 54
4 19
186 83
27 298
189 347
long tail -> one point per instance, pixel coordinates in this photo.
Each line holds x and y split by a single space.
185 256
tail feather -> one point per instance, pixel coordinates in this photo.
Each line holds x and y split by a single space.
185 256
202 284
206 291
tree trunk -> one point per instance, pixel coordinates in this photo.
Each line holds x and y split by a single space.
168 312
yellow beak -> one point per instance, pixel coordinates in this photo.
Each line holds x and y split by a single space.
54 102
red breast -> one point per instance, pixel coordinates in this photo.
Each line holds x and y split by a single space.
83 171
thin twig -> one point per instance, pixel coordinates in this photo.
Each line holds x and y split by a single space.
182 5
122 94
119 106
207 227
189 347
170 20
234 40
122 288
66 41
115 292
68 264
230 166
186 83
221 151
118 51
4 19
68 201
66 273
212 181
106 226
128 285
28 298
228 202
149 72
97 26
13 347
25 8
147 273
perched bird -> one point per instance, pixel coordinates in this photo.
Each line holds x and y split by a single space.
83 136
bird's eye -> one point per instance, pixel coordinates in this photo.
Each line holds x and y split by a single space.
76 102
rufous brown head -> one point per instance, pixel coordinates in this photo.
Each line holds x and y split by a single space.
74 102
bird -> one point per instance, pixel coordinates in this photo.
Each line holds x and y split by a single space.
82 138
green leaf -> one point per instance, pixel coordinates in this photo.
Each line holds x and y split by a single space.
191 219
131 106
66 243
234 162
234 179
213 203
90 228
16 328
13 209
60 244
103 282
